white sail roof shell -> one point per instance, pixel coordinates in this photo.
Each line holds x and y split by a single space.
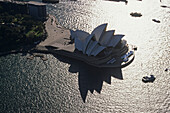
78 44
106 37
97 41
89 47
87 42
98 31
115 40
89 50
81 34
97 49
80 38
84 43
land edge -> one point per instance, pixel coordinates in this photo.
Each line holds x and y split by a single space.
36 48
54 32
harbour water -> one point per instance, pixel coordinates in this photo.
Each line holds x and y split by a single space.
64 85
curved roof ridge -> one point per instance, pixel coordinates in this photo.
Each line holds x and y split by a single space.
80 37
81 34
87 41
91 47
97 49
98 31
106 37
115 40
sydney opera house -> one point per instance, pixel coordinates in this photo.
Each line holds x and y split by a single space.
102 48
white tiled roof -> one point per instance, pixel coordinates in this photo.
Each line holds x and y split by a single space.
97 41
98 31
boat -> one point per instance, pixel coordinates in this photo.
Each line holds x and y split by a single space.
150 78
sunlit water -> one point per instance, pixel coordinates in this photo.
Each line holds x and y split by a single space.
64 85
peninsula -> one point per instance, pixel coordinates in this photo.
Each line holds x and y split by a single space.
101 48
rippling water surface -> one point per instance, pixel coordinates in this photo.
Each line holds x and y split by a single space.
64 85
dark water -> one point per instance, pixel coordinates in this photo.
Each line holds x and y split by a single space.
64 85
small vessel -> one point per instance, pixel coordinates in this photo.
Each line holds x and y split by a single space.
157 21
136 14
150 78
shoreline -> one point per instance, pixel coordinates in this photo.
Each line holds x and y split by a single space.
52 28
56 42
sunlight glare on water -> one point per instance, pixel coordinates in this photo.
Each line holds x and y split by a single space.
64 85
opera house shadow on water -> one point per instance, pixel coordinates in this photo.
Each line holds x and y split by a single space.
90 78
